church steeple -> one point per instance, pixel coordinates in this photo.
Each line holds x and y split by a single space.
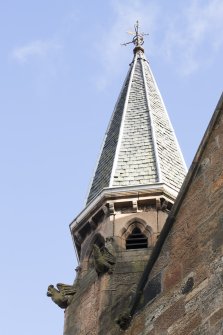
137 178
128 264
140 147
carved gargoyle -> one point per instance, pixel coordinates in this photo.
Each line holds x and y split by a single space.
124 320
104 260
63 295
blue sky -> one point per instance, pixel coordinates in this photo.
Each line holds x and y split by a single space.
62 68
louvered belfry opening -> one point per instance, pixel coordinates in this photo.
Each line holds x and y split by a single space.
136 240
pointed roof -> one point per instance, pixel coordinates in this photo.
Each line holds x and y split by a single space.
140 147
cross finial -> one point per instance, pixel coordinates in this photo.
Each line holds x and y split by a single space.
138 39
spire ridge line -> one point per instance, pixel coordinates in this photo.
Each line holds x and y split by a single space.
159 175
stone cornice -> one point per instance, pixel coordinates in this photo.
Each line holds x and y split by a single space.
122 194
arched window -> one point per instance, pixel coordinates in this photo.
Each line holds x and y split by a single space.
136 240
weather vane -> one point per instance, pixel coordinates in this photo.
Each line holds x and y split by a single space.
138 39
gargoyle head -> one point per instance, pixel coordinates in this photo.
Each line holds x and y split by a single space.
50 291
96 251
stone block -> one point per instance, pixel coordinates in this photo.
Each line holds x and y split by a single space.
169 316
172 276
217 316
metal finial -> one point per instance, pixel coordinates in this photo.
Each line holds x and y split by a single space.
138 39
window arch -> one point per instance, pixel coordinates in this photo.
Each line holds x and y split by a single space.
136 239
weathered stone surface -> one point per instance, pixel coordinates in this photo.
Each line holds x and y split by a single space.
188 286
216 317
172 275
183 293
191 299
152 289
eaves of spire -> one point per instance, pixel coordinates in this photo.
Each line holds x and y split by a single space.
140 147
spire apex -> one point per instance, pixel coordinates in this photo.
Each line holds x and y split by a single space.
138 39
140 148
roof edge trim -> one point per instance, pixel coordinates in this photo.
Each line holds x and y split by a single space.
108 192
105 136
170 123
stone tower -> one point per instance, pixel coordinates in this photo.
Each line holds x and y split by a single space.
137 178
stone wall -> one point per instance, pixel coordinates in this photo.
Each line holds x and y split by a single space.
100 299
181 274
184 291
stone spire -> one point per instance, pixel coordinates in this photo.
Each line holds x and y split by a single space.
138 175
140 147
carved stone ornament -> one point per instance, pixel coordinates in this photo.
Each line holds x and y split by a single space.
63 295
124 320
111 208
104 260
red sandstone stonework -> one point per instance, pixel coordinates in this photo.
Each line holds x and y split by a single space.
183 290
191 299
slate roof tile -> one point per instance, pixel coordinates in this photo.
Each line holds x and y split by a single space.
140 146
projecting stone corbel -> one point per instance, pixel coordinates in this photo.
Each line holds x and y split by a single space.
111 208
109 239
78 269
93 224
135 206
105 210
158 204
78 238
164 205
